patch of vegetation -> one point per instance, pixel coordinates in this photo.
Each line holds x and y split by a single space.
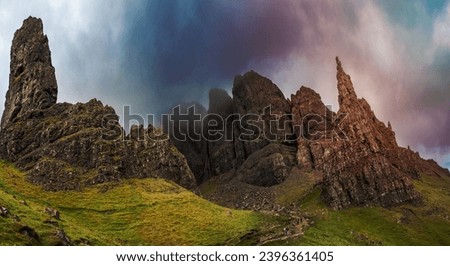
295 187
208 187
132 212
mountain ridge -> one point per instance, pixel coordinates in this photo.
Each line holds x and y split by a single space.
290 163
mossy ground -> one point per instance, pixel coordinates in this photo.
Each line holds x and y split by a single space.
133 212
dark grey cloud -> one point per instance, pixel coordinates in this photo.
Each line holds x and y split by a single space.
183 48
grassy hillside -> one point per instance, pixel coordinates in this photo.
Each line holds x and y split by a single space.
133 212
157 212
425 224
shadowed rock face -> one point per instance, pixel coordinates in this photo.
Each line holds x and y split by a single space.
264 160
220 156
258 107
66 146
185 130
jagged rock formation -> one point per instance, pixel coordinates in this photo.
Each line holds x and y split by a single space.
357 153
237 132
268 166
68 146
260 133
312 121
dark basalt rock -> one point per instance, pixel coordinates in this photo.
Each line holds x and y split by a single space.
63 239
312 121
66 146
224 147
254 125
4 212
264 114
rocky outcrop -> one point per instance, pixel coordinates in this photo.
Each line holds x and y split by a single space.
66 146
248 136
264 114
359 158
32 81
356 155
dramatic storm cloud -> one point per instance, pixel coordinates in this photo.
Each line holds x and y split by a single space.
153 54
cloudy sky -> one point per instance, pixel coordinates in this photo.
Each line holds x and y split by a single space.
153 54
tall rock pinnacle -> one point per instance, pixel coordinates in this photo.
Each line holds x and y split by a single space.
345 87
364 166
32 81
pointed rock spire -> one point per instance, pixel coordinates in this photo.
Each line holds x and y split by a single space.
32 81
346 91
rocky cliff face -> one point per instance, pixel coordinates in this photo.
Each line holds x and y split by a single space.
68 146
359 158
258 130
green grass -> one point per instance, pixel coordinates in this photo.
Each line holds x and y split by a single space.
157 212
425 224
133 212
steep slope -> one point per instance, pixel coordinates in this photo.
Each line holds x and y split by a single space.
66 146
